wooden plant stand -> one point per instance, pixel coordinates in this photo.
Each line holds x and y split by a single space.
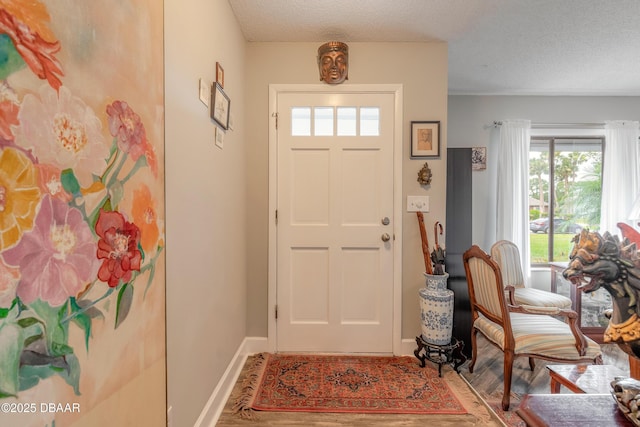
448 354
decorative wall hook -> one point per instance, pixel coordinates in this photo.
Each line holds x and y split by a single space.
424 175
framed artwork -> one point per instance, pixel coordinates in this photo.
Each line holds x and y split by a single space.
425 139
85 342
204 92
478 158
220 105
219 138
220 74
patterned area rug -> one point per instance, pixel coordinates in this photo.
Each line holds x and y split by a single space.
353 384
510 417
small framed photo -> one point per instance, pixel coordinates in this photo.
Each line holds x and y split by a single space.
220 74
425 139
205 89
478 158
220 105
219 138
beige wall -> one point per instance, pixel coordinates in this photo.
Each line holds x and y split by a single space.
217 200
206 205
422 70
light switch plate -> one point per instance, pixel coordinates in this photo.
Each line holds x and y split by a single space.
417 203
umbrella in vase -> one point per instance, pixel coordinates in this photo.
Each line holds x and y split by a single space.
438 254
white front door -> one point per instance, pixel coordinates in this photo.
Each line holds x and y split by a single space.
335 222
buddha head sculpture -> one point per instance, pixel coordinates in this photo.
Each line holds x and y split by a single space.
333 62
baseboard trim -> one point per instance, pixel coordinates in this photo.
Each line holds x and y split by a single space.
408 346
250 345
218 399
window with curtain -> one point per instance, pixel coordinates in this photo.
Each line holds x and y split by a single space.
565 191
621 173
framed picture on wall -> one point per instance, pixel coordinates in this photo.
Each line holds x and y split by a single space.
220 74
219 138
425 139
478 158
220 105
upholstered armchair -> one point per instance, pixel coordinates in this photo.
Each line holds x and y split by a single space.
532 332
507 255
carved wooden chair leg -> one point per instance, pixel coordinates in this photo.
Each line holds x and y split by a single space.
508 368
474 349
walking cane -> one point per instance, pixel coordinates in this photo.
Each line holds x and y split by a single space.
425 244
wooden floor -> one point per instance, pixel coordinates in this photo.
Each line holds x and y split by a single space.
487 374
486 380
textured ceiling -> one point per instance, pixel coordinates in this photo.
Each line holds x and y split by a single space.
510 47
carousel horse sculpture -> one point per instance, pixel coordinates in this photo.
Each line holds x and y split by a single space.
603 261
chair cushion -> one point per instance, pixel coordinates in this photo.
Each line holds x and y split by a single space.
540 298
507 255
538 335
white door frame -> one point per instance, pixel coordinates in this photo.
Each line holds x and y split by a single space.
396 89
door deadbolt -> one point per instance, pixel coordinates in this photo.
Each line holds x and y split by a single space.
385 220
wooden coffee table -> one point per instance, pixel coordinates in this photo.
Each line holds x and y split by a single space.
570 410
593 379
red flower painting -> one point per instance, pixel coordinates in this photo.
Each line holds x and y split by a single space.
118 247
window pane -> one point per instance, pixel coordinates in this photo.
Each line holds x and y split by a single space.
577 191
539 201
347 121
323 121
369 121
564 194
301 121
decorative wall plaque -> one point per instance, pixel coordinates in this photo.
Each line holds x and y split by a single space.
333 62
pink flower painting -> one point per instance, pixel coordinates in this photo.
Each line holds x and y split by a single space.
57 258
126 127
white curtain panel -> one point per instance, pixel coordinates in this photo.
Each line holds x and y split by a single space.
620 173
513 187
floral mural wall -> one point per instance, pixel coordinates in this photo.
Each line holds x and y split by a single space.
82 283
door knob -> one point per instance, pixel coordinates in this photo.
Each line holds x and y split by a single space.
385 237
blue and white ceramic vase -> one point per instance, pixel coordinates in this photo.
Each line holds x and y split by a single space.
436 310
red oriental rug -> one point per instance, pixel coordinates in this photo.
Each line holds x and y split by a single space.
354 384
510 417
